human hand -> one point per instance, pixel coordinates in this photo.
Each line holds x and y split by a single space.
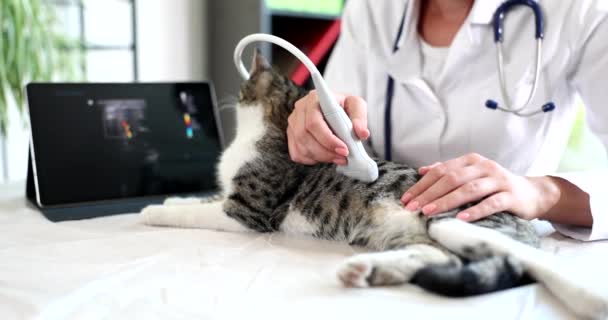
310 139
453 183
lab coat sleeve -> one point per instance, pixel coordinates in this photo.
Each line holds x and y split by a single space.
590 78
346 69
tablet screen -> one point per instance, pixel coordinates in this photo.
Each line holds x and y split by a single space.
97 142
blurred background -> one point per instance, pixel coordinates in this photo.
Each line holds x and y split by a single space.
166 40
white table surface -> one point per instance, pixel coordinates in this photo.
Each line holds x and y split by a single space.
116 268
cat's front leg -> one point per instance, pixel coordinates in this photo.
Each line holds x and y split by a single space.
178 201
196 215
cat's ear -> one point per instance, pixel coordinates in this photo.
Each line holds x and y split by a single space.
259 63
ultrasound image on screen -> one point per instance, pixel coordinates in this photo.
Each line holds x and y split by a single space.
111 141
123 119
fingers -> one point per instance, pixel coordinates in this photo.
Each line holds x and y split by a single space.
456 178
425 169
468 192
453 189
316 126
432 175
356 108
294 152
451 184
412 197
303 147
498 202
310 140
466 160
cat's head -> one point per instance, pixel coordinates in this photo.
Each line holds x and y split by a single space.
271 90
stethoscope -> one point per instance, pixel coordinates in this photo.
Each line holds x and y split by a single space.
498 26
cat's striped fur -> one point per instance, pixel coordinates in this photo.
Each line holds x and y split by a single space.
270 192
265 191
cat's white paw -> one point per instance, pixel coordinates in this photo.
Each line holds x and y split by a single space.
389 267
153 215
377 269
355 271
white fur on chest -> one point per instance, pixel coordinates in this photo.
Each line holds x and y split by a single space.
250 128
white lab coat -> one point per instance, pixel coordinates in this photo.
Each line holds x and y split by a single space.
430 126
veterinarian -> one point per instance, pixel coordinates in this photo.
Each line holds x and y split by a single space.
414 77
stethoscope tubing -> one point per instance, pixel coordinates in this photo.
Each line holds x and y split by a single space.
498 28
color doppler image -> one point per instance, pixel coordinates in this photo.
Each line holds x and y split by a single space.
123 119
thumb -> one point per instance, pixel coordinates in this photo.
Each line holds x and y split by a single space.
356 108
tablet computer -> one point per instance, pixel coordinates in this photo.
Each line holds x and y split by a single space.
106 148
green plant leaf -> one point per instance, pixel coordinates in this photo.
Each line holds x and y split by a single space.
32 49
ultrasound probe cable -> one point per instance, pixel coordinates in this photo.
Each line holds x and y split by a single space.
360 166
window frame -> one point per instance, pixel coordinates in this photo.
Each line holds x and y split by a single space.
86 47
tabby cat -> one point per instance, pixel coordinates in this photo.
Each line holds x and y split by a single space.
264 191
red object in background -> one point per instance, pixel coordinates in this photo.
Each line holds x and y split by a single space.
319 50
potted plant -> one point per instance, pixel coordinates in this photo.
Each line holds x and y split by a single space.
31 49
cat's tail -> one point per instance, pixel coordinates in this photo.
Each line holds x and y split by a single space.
476 277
